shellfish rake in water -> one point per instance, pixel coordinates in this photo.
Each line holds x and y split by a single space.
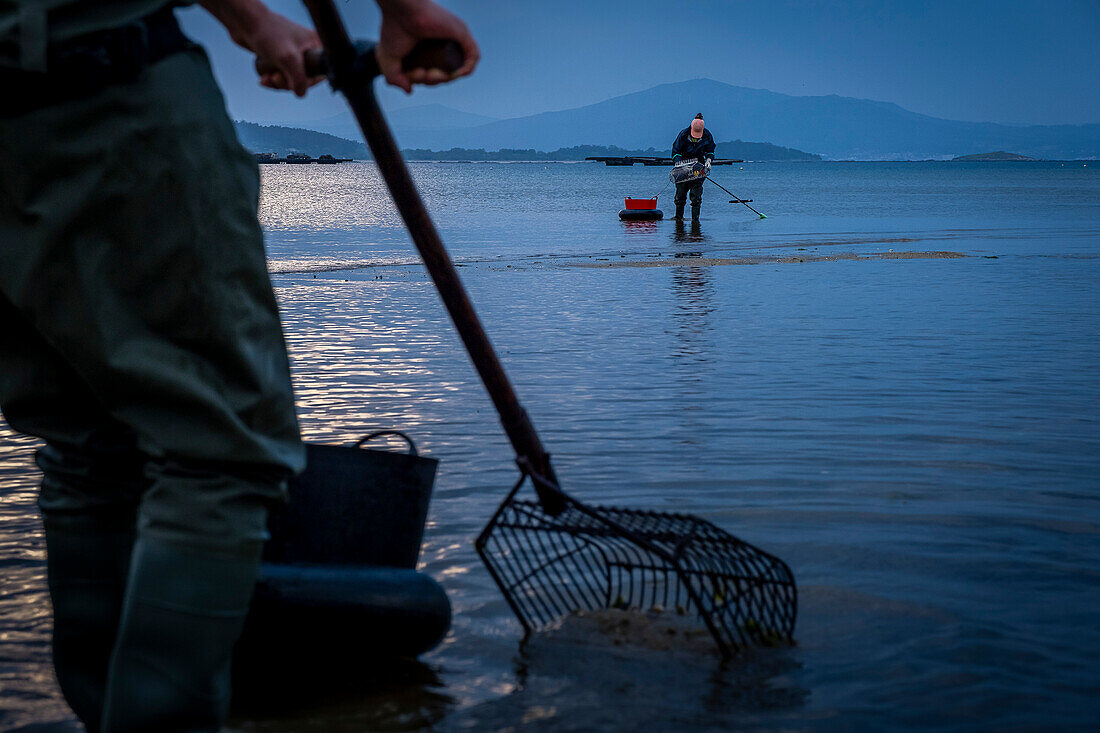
558 555
594 557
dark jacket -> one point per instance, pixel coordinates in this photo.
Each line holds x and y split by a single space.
688 148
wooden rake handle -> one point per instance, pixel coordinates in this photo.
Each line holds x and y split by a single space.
352 70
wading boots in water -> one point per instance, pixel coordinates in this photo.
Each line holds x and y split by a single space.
183 611
679 213
88 557
694 213
144 630
88 547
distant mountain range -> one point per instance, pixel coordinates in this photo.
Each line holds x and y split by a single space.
832 126
998 156
736 149
285 140
418 118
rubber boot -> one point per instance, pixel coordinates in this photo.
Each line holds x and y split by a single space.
87 561
679 213
184 609
695 213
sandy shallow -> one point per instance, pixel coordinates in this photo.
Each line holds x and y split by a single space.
716 261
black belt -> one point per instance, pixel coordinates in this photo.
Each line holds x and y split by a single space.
82 66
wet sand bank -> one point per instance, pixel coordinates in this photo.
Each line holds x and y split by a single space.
799 259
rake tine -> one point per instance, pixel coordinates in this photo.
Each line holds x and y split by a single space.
504 575
572 556
592 572
528 578
534 572
516 568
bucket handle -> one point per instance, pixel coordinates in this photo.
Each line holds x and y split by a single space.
398 433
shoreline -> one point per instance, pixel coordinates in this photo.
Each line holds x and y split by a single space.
723 261
608 263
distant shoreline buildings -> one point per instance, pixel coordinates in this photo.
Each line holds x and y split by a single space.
297 158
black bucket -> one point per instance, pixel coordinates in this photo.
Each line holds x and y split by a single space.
338 586
355 506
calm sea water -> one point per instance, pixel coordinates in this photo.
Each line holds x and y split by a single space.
918 438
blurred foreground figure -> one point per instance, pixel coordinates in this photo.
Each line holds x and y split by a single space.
139 336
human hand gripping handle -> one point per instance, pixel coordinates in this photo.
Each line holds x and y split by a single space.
420 43
405 24
267 34
288 55
429 56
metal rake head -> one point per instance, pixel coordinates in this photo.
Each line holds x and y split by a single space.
595 557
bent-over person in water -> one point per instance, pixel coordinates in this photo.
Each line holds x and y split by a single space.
694 141
140 340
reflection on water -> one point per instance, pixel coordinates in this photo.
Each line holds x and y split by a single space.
918 439
648 227
27 688
693 322
687 234
694 303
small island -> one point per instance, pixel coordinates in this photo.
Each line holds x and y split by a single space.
271 158
998 156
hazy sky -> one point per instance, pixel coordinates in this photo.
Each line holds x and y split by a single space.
1006 61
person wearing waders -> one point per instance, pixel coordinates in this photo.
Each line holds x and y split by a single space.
139 337
694 141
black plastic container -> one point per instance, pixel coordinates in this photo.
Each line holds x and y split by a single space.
338 588
355 506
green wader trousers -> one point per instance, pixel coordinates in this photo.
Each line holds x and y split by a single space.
140 339
683 189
